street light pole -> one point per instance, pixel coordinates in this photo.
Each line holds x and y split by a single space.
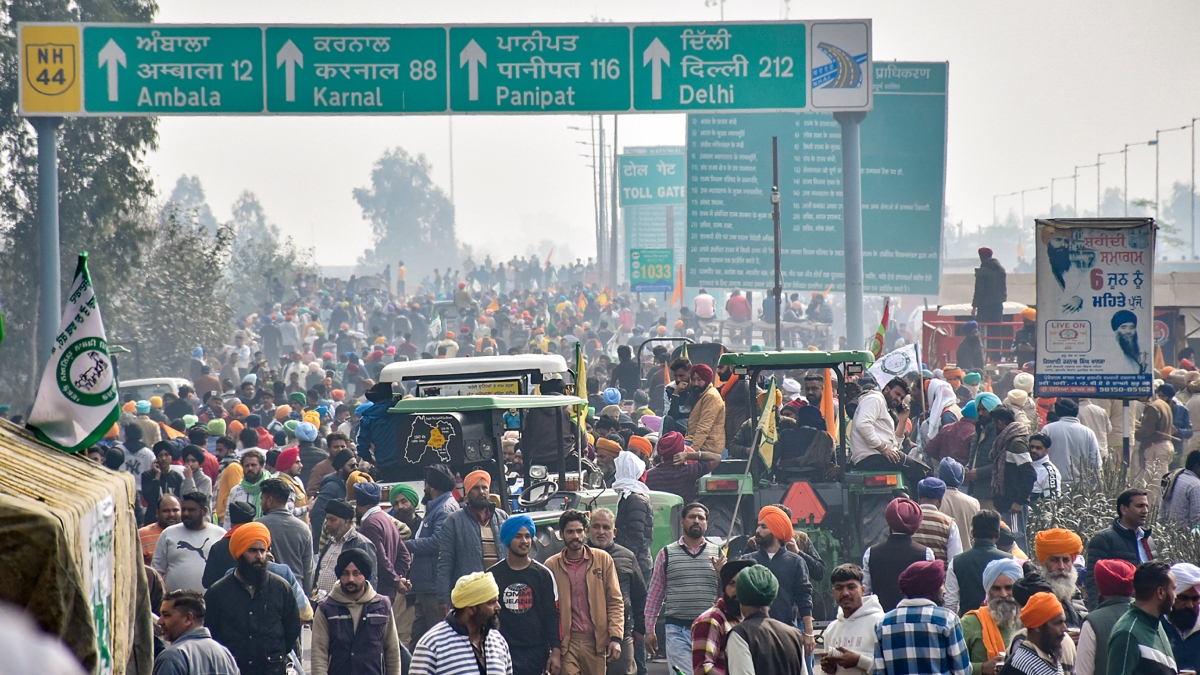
1157 208
995 214
1023 201
1192 192
1098 162
1052 192
1126 188
1075 207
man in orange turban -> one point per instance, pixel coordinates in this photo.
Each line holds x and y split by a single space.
474 536
235 620
1056 551
795 589
1045 626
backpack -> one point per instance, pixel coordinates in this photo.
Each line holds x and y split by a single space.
1168 483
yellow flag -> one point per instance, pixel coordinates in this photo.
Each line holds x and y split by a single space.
767 431
494 305
580 383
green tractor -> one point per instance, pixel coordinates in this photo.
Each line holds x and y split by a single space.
841 510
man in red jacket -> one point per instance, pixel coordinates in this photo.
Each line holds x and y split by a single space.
391 554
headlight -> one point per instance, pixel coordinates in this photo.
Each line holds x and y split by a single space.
472 450
485 450
537 472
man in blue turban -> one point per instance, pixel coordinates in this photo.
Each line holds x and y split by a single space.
528 609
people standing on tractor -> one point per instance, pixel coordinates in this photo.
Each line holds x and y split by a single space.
883 563
683 585
991 291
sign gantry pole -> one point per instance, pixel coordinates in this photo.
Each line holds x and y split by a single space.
852 224
49 309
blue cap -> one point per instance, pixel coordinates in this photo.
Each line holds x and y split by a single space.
969 411
143 407
513 525
367 493
931 488
612 396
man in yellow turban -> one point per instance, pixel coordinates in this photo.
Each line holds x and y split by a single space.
468 633
238 604
1045 625
1056 551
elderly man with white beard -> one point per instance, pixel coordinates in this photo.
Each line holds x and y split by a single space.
988 629
1056 551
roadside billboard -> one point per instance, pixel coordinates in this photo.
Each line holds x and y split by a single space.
1095 323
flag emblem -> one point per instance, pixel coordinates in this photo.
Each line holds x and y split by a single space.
84 372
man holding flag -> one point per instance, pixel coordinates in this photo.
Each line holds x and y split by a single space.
76 401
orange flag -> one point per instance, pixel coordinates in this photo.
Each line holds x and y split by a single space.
677 295
827 407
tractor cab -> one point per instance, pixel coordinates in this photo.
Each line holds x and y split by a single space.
806 468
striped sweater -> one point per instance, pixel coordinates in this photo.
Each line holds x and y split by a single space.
446 650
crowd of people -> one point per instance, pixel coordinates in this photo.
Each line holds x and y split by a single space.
267 501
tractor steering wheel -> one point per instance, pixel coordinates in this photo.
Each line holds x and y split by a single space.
537 495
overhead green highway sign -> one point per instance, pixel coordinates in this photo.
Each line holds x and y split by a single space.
84 69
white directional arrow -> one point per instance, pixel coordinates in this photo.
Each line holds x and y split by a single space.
289 55
112 56
472 56
656 55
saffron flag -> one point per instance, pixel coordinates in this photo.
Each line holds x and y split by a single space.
494 305
877 341
76 401
828 410
582 304
767 432
677 294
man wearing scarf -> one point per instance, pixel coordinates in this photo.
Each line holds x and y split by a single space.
1056 550
711 629
253 463
1041 651
635 515
989 629
1013 474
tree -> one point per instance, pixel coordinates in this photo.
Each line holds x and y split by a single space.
258 257
103 185
189 202
411 218
179 299
250 219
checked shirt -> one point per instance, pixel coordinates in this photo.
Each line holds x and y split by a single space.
920 638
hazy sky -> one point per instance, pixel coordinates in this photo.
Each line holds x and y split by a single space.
1036 88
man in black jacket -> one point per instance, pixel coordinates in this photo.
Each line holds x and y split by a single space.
1127 539
991 290
794 597
253 612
